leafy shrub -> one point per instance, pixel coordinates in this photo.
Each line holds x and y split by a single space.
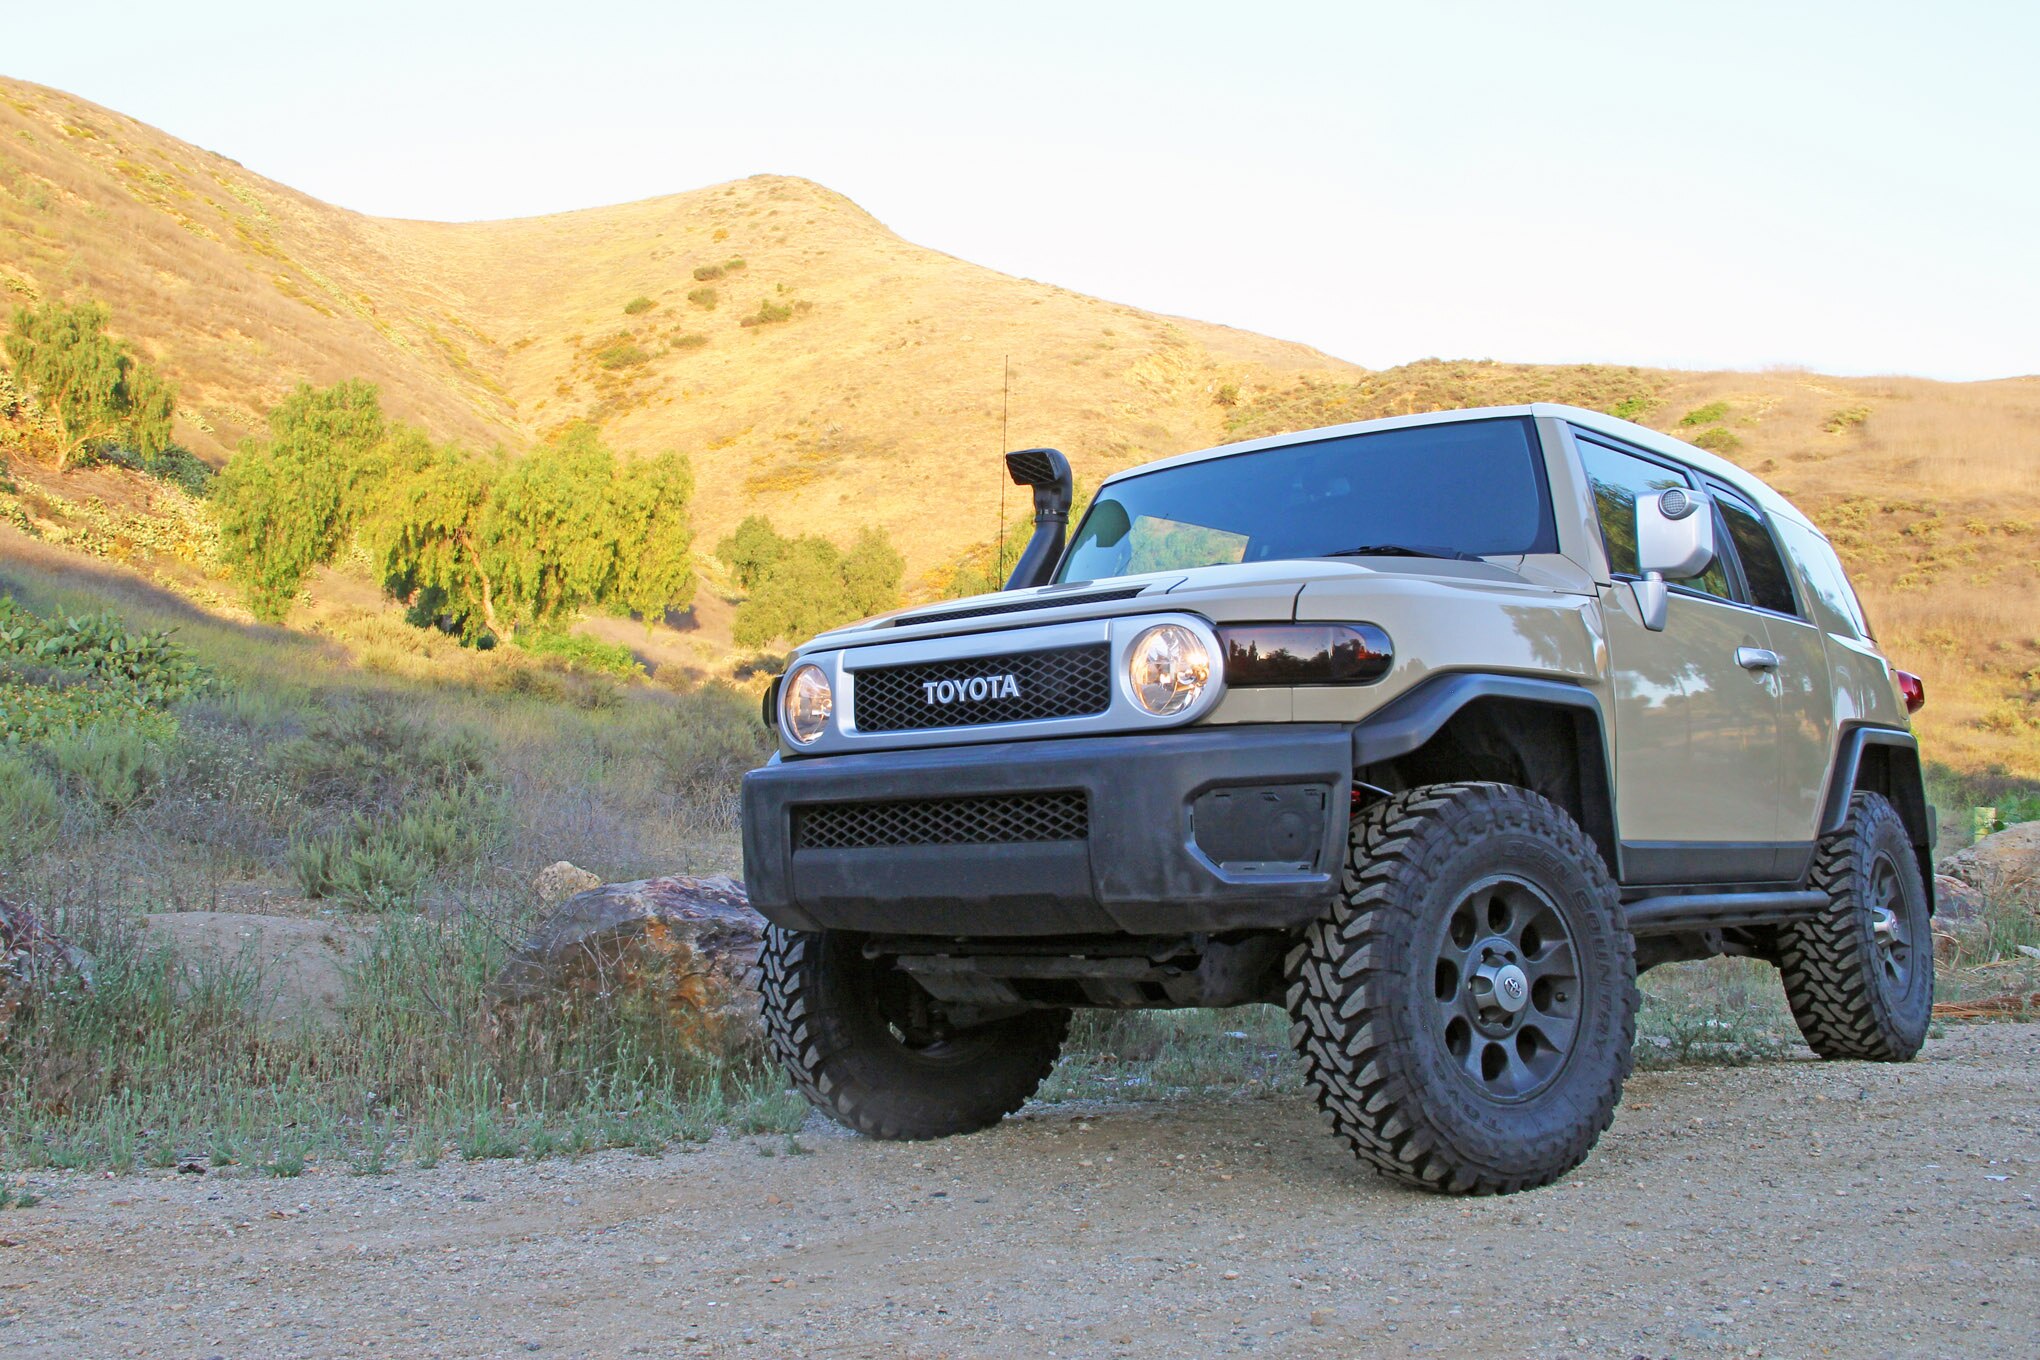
768 313
383 861
1709 414
711 740
373 754
153 668
1633 408
704 298
30 808
622 352
705 272
115 767
1840 422
688 340
31 710
181 467
733 264
1228 394
638 304
1715 439
583 653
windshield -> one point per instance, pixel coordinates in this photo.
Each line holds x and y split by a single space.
1473 488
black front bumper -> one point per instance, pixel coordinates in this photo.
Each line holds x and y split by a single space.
1205 829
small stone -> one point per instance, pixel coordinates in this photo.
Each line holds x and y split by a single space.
563 879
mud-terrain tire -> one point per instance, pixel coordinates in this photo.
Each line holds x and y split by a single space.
844 1027
1396 992
1860 975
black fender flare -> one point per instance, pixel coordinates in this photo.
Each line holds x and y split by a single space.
1883 760
1412 718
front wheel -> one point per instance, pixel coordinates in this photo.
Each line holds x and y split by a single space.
1466 1010
871 1049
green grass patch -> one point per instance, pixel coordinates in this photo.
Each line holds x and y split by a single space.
1715 439
638 305
579 653
769 313
1712 413
704 298
622 353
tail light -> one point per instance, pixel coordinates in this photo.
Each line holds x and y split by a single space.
1912 689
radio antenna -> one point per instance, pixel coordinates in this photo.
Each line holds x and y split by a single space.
1005 391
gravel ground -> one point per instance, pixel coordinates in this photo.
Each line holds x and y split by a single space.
1791 1209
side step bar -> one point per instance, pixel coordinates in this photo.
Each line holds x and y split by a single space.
1713 911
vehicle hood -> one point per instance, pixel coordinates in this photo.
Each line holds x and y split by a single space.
1235 593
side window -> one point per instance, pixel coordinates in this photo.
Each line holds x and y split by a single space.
1763 568
1835 607
1619 479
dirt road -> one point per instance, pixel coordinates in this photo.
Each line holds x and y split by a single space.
1793 1209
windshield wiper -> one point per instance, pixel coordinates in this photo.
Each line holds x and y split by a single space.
1403 550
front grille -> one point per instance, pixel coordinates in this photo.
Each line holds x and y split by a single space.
1068 682
1017 606
994 819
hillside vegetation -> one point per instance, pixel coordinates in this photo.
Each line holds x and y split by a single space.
818 371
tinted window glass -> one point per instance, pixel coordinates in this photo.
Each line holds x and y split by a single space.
1834 602
1762 567
1475 487
1619 479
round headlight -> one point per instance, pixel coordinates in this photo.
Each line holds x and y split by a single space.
1167 667
805 703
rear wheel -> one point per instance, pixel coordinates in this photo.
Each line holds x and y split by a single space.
1466 1010
1860 975
870 1048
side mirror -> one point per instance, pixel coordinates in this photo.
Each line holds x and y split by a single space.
1674 538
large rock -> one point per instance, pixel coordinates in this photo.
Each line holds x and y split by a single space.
1956 903
33 958
2004 864
687 946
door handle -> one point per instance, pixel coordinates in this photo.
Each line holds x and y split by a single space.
1756 658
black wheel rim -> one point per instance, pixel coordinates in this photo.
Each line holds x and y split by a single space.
1506 988
1891 930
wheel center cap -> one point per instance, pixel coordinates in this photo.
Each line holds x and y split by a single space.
1512 989
1498 985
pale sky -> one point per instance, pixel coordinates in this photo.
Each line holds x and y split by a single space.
1851 187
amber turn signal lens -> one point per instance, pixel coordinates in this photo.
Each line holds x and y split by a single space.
1912 689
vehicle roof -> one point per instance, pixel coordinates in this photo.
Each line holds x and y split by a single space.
1627 430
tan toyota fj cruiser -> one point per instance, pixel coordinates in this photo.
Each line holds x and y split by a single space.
1435 730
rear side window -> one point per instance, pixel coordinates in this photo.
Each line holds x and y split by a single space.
1621 479
1835 607
1762 566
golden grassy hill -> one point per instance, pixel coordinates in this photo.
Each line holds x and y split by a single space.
877 398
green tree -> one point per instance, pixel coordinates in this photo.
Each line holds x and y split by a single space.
94 384
423 529
287 502
809 585
499 545
804 593
752 551
648 511
871 573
